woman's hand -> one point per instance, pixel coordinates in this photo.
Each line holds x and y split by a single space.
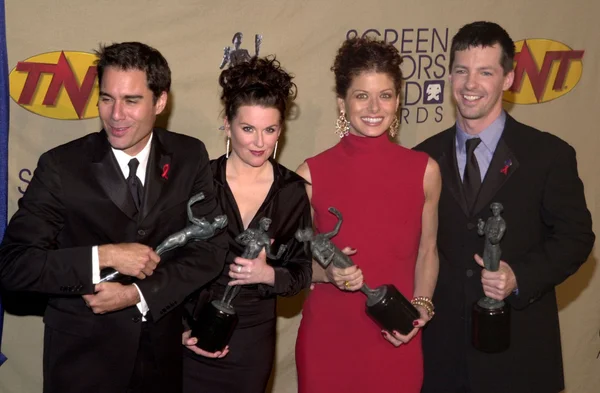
398 339
252 271
347 279
190 343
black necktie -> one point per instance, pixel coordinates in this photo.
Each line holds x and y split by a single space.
472 177
134 183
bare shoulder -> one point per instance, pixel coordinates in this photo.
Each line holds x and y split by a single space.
304 171
432 169
432 180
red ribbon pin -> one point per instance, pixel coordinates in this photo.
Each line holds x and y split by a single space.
165 174
507 165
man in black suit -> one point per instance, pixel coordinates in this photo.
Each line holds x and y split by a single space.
490 157
103 201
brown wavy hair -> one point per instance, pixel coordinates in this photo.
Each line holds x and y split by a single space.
358 55
260 81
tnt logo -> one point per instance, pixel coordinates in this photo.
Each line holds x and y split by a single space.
434 92
59 85
544 71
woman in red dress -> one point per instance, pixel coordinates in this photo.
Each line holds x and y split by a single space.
388 196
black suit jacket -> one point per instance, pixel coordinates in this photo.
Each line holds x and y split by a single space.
549 235
78 198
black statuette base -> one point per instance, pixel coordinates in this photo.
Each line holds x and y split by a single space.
491 328
391 310
214 326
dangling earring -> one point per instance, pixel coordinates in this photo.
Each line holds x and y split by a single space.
342 125
227 148
394 127
275 150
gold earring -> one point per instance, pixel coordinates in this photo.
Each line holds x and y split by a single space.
275 150
394 127
227 148
342 125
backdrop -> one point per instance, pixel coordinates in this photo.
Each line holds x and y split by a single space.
54 93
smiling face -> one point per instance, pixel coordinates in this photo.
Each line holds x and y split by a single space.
370 104
478 82
254 132
127 109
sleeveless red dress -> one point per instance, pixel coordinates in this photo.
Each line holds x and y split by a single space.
377 185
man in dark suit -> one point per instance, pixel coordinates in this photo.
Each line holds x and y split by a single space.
490 157
103 201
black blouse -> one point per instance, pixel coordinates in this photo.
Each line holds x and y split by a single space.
288 207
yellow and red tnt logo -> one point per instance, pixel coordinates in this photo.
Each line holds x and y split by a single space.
59 85
544 70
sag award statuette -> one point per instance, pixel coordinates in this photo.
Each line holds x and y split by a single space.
200 229
490 317
216 321
385 304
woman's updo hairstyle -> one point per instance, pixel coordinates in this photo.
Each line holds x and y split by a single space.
358 55
259 81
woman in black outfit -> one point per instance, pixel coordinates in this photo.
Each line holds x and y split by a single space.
250 185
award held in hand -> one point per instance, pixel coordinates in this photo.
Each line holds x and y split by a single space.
491 318
200 229
385 304
214 325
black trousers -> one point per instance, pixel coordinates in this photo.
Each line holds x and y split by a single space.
146 377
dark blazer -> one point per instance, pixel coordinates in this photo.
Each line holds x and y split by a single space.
549 235
78 198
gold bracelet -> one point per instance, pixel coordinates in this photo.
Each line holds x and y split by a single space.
426 303
430 312
424 299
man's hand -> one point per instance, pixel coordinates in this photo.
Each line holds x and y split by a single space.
131 259
112 296
497 285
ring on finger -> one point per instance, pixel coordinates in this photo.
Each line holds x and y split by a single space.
239 268
347 284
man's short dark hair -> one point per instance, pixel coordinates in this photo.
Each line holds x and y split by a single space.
484 34
136 56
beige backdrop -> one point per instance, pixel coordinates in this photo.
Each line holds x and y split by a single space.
304 35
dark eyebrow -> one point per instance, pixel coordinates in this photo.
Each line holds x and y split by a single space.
128 97
250 125
366 92
478 69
